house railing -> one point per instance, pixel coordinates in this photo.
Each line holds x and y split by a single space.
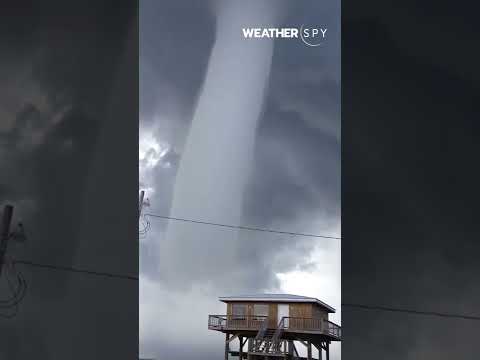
312 324
288 323
234 322
333 329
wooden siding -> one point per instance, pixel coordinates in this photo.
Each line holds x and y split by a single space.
248 305
272 315
300 310
319 313
272 311
296 310
249 309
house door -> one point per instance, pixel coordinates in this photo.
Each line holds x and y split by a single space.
283 311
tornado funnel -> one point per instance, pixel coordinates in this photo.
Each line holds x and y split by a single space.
217 156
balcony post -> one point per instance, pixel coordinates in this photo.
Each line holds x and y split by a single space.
227 345
240 338
309 350
250 348
290 348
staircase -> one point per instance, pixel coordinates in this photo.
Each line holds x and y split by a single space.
265 344
268 340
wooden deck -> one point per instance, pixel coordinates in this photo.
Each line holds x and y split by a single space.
270 356
297 325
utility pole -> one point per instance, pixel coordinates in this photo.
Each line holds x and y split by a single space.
140 204
5 234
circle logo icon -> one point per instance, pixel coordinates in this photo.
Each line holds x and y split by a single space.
313 36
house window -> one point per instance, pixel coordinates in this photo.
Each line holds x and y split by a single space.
239 311
260 311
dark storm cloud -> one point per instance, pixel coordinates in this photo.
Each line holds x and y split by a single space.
296 168
61 63
410 201
175 42
48 151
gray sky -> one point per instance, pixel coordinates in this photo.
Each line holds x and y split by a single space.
291 180
59 102
410 192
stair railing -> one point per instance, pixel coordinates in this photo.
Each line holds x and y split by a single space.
261 334
276 343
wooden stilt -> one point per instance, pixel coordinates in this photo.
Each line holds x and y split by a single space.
227 345
250 348
240 355
295 349
290 349
327 348
309 350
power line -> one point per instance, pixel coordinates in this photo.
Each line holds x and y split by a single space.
357 306
351 305
76 270
412 311
134 278
243 227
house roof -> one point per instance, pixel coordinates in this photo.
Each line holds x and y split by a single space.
277 298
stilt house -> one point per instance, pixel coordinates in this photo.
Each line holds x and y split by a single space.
269 325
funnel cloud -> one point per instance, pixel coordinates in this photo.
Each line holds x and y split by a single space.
241 132
223 131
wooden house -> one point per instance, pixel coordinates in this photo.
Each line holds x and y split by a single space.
270 324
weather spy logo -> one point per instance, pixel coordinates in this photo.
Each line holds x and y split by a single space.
310 36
